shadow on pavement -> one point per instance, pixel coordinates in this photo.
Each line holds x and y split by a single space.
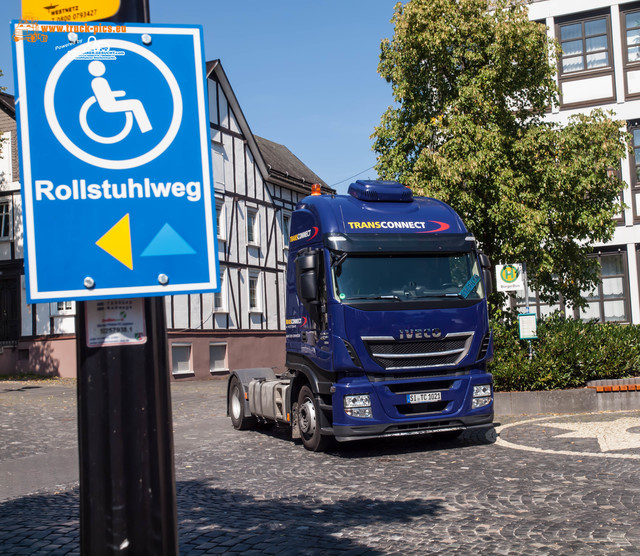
409 444
293 525
212 519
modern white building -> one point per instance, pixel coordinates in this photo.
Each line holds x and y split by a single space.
257 184
600 67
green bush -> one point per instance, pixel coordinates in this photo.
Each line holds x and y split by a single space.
567 354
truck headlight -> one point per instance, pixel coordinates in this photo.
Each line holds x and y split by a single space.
358 405
481 390
481 396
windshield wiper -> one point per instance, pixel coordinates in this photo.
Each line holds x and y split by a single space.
440 295
338 260
393 297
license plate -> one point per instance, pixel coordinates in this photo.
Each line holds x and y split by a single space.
424 397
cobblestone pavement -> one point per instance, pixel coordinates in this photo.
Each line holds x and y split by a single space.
534 485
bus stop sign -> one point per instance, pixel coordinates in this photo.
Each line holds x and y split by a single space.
116 163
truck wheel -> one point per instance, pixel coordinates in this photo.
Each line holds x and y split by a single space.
236 407
309 421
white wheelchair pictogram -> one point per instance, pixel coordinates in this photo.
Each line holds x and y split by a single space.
114 102
107 100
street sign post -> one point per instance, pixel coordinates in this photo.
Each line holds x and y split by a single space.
116 162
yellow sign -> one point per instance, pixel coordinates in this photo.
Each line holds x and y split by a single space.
117 242
69 10
509 273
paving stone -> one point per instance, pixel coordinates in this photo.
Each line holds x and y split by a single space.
524 488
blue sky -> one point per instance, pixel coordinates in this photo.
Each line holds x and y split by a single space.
304 71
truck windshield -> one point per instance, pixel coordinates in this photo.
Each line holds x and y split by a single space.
393 278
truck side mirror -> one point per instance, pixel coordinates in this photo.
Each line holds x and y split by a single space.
485 263
307 277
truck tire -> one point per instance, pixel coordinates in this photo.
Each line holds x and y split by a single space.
309 421
235 402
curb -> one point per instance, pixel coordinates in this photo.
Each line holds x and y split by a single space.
583 400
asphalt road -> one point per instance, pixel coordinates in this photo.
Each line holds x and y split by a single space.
533 485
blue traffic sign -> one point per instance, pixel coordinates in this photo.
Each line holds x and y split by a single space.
115 161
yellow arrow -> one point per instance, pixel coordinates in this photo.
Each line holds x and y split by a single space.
117 242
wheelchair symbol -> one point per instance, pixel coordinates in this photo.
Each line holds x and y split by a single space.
112 102
107 101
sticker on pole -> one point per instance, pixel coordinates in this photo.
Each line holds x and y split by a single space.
115 322
509 277
116 162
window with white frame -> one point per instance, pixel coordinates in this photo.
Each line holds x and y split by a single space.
63 308
220 298
252 227
181 359
255 305
218 358
286 226
5 220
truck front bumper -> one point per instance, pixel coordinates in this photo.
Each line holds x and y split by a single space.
361 432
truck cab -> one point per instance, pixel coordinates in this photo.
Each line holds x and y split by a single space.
387 329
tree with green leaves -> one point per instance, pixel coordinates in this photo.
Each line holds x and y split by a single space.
472 81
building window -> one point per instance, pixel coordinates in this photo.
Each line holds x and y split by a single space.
63 308
585 45
220 298
286 226
632 27
221 222
5 220
634 129
254 292
608 301
252 227
181 359
536 305
218 358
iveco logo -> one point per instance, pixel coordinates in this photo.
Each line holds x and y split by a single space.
419 333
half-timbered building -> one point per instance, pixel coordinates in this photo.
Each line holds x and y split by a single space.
257 184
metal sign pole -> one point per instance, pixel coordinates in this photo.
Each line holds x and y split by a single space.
526 302
127 479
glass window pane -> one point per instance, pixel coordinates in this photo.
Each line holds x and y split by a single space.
637 154
571 48
592 311
599 60
181 356
595 27
633 54
572 64
590 295
612 287
614 311
217 357
573 31
636 137
632 20
596 43
633 37
612 265
546 310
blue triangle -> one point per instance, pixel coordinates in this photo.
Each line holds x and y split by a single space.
167 242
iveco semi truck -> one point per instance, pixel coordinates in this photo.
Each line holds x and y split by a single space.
387 329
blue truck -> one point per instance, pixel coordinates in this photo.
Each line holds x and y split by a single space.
387 329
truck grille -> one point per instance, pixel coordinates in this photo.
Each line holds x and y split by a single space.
390 353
